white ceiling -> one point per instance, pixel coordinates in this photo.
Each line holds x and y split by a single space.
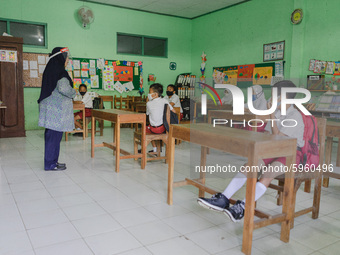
181 8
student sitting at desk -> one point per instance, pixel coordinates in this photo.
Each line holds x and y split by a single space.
173 99
155 110
259 101
82 98
228 97
220 201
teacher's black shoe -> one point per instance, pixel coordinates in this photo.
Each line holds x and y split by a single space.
61 164
57 168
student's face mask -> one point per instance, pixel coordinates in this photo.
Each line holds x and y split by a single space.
150 96
82 93
169 93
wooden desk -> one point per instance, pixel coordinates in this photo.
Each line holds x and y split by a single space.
137 103
252 145
119 117
332 130
78 107
210 107
228 115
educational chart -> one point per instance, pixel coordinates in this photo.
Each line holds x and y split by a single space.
248 75
273 51
104 74
33 68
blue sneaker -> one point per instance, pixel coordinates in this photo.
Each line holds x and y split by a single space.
217 202
236 212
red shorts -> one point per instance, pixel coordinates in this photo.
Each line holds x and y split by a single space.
88 113
282 160
156 130
181 116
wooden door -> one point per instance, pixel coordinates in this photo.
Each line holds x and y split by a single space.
11 90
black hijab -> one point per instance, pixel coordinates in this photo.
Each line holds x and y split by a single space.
54 71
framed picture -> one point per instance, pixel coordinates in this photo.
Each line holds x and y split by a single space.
273 51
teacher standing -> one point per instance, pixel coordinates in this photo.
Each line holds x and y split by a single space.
55 106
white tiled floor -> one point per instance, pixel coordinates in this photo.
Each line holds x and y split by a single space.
90 209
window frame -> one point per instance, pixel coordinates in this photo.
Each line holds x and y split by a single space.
143 36
8 21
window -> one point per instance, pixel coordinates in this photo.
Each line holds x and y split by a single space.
34 34
129 44
142 45
154 47
3 27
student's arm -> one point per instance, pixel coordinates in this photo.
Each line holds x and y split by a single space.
172 104
65 89
275 129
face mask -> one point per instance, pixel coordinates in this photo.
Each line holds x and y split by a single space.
82 93
150 97
254 97
169 93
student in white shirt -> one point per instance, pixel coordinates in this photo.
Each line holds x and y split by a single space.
83 98
220 201
173 99
228 98
155 110
259 101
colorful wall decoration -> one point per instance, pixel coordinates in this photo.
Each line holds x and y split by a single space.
247 75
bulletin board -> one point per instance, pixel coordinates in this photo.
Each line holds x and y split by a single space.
123 71
126 71
264 74
85 69
33 68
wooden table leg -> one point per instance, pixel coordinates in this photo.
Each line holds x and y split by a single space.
171 164
338 154
143 143
328 158
92 136
248 225
288 206
84 124
117 133
204 151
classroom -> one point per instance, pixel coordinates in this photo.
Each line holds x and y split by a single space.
163 127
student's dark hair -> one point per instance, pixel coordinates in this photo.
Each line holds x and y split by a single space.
172 86
285 84
82 85
158 88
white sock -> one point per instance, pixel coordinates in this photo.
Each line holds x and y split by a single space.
236 183
154 149
260 189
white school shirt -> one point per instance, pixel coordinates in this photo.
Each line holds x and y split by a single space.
155 110
293 132
174 99
86 99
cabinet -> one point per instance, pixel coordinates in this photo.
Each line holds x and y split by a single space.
12 120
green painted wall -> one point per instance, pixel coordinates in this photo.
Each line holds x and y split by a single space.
231 36
322 34
100 40
236 35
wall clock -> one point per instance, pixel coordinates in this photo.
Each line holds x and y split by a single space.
296 16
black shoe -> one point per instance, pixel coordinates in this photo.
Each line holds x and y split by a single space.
61 164
217 202
57 168
236 212
78 134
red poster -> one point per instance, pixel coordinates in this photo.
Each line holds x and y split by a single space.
123 73
245 72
